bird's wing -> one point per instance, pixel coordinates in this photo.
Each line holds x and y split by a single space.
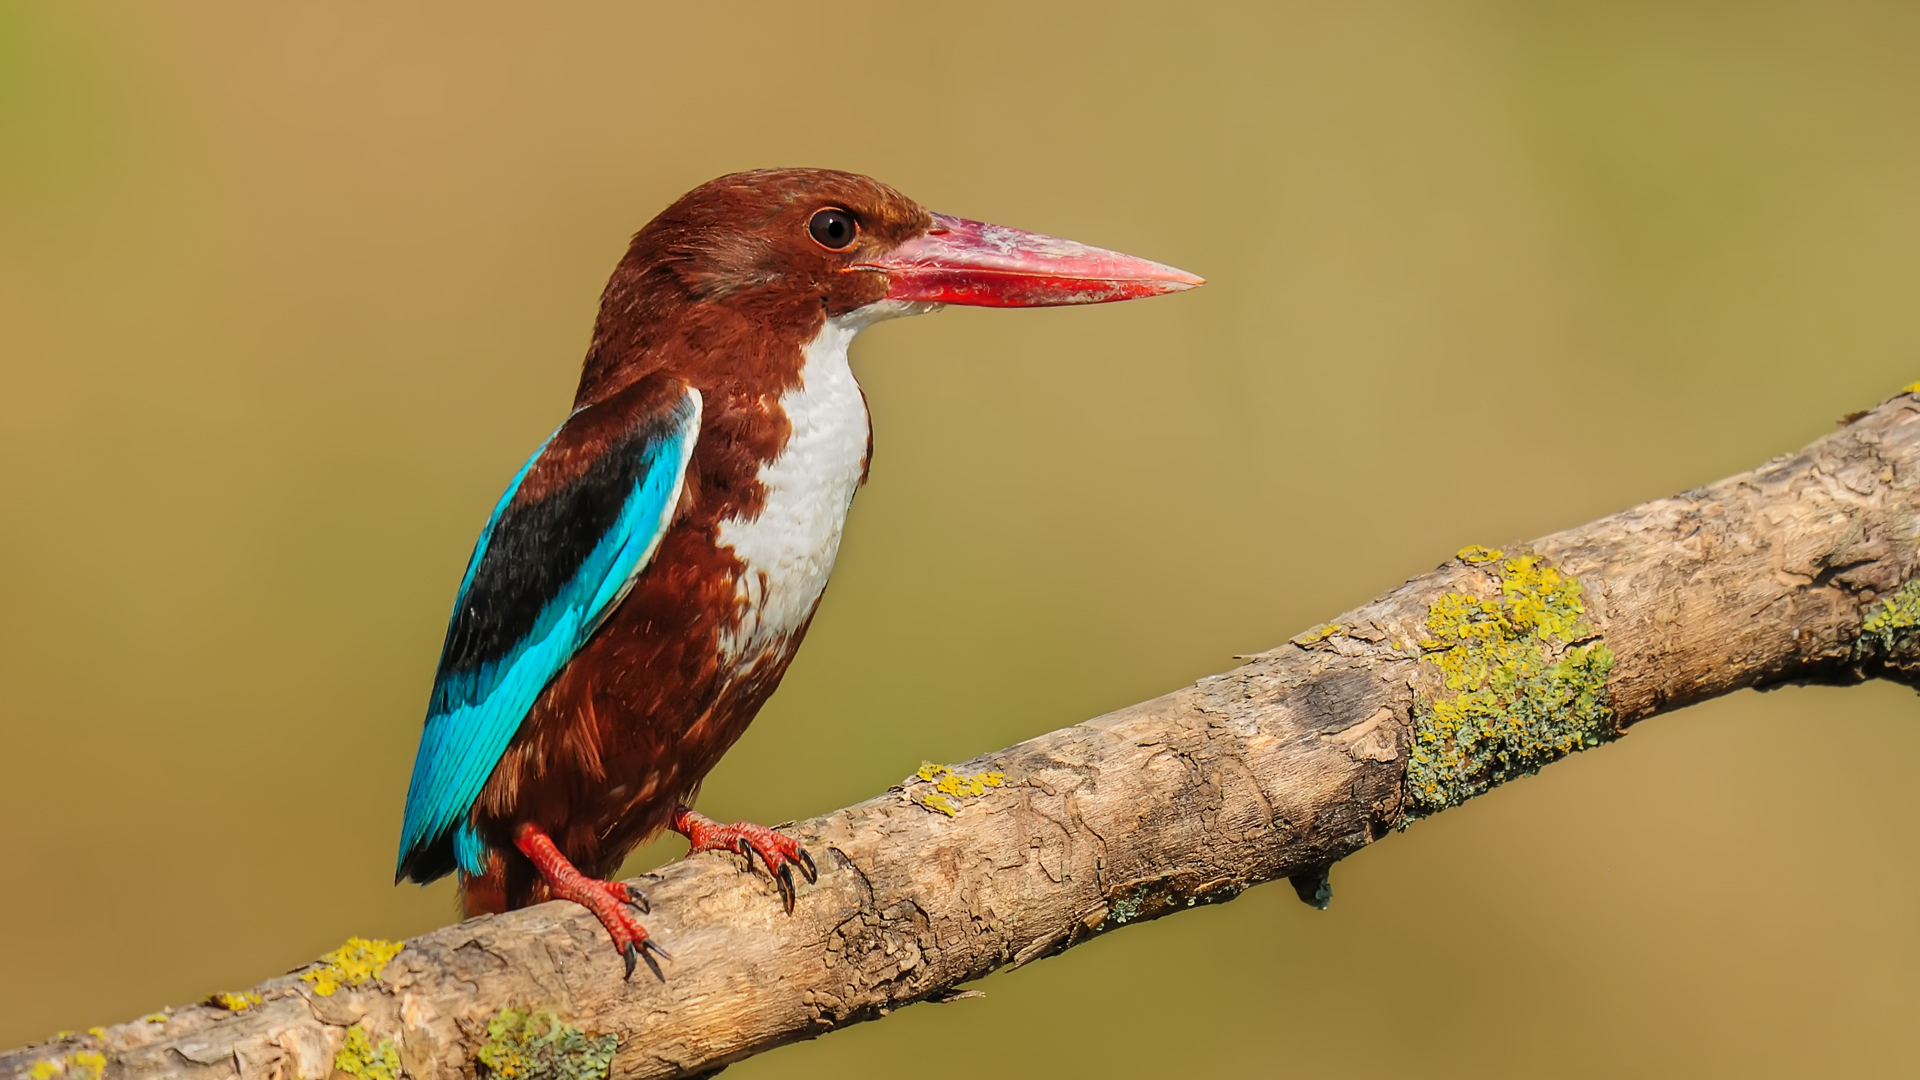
576 526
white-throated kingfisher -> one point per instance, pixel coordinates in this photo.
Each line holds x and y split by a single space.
645 579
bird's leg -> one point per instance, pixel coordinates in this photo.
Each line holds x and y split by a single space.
608 900
780 852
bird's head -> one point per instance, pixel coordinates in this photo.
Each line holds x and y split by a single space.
779 249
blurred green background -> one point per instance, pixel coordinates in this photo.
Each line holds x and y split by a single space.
288 291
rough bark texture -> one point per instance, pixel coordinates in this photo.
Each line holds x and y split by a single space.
1489 666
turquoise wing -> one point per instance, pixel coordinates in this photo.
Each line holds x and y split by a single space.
577 525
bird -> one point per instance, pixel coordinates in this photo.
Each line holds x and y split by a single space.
642 584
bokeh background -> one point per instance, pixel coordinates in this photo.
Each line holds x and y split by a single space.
288 291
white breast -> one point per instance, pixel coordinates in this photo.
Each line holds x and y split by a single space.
788 550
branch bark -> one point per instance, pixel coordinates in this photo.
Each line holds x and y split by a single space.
1797 571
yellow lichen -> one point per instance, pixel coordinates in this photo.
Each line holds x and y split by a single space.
1317 634
952 789
79 1065
968 787
237 1002
359 1057
97 1032
1524 686
1474 554
358 962
526 1045
1911 388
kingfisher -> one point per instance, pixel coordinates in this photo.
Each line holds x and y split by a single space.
641 586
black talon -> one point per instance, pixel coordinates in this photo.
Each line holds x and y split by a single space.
785 877
645 950
631 954
807 867
638 899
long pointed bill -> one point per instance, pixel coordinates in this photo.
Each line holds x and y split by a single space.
970 262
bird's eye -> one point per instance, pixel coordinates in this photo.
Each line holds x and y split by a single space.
833 229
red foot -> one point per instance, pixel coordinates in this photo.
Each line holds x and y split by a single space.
608 900
780 852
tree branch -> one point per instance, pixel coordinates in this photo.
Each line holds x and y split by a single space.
1488 667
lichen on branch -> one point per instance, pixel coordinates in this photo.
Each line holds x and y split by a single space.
356 963
524 1045
1892 622
1525 683
359 1057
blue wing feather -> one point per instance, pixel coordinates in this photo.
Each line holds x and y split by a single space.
476 708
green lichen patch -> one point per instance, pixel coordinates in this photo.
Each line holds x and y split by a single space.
526 1045
951 790
1143 900
1524 686
1890 623
1127 908
358 962
359 1057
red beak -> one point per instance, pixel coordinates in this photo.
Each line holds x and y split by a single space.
970 262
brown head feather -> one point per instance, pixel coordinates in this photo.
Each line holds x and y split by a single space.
731 262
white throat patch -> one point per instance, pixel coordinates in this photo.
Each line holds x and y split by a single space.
788 551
